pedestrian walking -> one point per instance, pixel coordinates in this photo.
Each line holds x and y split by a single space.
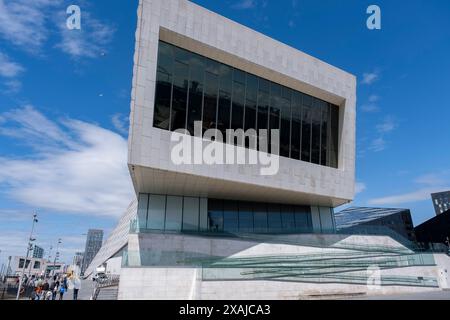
76 287
62 290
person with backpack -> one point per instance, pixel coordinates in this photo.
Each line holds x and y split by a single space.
61 291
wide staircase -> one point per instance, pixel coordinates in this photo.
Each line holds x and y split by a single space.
106 288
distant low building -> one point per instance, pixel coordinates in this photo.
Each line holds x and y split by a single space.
35 266
398 220
441 201
435 230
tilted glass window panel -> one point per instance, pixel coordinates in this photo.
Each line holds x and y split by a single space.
275 110
196 75
315 136
288 217
237 111
334 138
210 101
230 216
224 113
179 99
215 215
260 217
163 87
306 129
191 212
156 212
263 118
245 217
274 217
296 125
285 128
324 139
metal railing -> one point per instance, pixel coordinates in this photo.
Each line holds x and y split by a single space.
106 282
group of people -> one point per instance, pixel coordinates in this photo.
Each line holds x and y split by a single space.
51 288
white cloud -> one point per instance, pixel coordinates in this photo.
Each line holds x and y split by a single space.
378 144
24 23
427 184
374 98
370 77
430 179
121 123
387 125
72 167
12 86
244 4
360 187
8 68
415 196
89 42
370 107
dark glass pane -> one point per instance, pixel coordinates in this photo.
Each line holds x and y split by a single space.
237 111
179 100
334 136
316 124
264 85
165 58
325 131
296 125
224 111
245 217
260 217
230 216
197 70
288 218
263 116
163 92
226 78
223 119
215 215
285 129
210 101
162 100
274 217
213 66
275 110
303 221
306 128
239 76
181 55
252 88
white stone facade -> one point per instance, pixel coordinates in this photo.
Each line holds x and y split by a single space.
194 28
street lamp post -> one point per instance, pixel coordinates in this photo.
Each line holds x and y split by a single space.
30 244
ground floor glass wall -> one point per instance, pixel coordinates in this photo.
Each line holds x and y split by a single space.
195 214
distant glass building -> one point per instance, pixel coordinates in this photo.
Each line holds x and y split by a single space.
38 252
435 230
94 242
441 201
399 220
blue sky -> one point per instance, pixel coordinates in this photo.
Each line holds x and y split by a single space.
64 103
